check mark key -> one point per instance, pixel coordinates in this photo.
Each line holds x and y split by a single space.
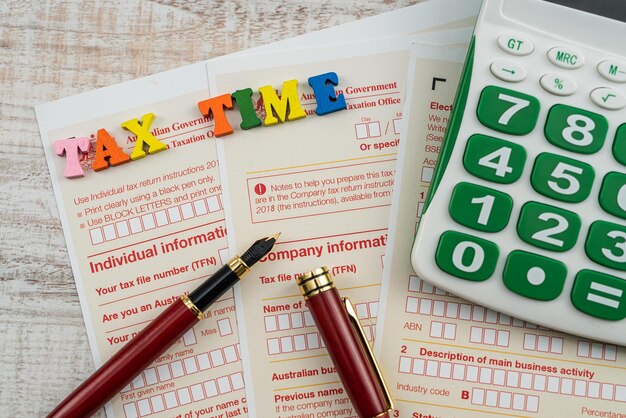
608 98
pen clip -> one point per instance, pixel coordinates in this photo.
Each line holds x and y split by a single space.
356 324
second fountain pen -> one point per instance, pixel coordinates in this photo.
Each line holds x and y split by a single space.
158 336
347 346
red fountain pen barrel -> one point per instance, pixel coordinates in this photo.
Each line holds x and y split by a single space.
353 365
132 359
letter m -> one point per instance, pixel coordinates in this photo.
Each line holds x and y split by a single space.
287 107
613 69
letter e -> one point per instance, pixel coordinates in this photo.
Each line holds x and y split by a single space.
327 99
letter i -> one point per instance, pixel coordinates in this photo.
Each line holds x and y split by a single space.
249 118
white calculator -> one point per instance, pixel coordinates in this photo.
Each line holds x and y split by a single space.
527 207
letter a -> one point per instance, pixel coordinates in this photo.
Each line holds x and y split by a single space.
107 152
288 102
70 148
143 135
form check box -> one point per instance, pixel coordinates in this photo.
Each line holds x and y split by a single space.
109 232
210 387
397 126
148 221
374 129
230 354
299 342
96 236
200 207
161 218
361 130
237 381
187 210
174 214
225 327
213 203
135 225
144 407
122 229
223 383
427 174
130 410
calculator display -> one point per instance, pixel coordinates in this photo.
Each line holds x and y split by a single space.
613 9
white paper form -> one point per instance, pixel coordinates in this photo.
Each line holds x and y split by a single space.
141 234
107 224
323 182
446 357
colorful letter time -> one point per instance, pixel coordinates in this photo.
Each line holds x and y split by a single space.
285 107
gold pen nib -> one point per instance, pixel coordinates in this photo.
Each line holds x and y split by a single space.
275 236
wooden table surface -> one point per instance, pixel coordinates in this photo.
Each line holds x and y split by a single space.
52 49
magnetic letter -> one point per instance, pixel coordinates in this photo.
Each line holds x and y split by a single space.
216 106
249 119
327 99
70 148
288 102
107 152
143 135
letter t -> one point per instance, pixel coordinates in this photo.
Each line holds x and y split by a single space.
70 147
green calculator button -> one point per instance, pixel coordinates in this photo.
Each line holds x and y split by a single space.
507 110
619 145
562 178
576 129
606 244
494 159
548 227
613 194
466 257
480 208
534 276
599 295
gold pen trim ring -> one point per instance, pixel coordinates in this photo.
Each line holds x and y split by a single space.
315 282
238 266
193 308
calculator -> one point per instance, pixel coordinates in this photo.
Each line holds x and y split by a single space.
526 212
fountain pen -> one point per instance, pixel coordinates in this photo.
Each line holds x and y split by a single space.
347 344
158 336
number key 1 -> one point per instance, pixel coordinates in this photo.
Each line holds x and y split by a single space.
480 208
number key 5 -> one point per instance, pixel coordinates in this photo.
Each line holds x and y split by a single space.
562 178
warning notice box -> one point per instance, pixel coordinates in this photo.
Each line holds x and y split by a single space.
319 191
